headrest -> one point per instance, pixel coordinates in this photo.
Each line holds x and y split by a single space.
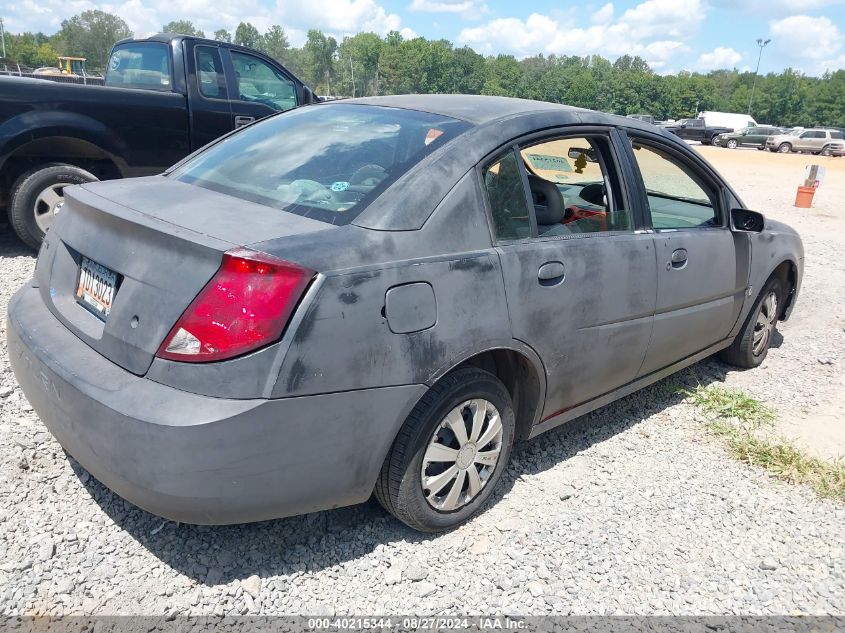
594 194
548 201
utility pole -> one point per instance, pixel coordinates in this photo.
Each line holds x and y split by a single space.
762 44
3 37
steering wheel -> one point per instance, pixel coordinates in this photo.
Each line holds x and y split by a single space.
369 175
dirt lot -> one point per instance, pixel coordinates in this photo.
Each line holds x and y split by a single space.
634 509
810 360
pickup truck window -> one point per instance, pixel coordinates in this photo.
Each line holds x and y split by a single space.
259 82
140 65
326 162
212 79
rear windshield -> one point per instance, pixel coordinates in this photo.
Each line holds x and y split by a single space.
140 65
325 162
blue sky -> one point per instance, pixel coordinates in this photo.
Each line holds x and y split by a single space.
671 35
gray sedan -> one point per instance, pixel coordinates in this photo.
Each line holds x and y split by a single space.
379 296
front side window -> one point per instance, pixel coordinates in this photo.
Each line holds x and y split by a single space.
508 202
212 80
140 65
259 82
573 186
676 197
326 162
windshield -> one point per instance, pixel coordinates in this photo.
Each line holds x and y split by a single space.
325 162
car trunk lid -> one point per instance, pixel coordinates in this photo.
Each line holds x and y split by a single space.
164 240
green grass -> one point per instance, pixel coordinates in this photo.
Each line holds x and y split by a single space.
739 418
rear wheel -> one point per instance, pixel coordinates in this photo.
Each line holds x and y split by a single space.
751 345
784 148
38 195
450 453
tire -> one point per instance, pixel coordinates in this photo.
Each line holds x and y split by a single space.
400 486
713 140
732 144
826 151
784 148
746 351
34 198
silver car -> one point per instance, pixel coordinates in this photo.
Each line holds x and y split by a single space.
815 140
379 296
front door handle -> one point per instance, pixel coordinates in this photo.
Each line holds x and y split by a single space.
551 273
241 121
679 259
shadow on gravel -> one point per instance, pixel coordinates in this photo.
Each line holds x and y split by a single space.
221 554
10 245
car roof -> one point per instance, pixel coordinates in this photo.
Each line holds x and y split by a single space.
476 109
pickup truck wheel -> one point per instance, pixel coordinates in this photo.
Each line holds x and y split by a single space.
784 148
751 345
38 195
450 453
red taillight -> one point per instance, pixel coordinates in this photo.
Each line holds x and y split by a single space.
246 305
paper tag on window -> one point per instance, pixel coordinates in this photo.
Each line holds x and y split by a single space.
432 135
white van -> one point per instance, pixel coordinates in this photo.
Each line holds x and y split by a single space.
730 120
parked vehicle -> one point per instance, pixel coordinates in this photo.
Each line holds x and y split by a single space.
695 130
815 140
382 298
748 137
730 120
165 97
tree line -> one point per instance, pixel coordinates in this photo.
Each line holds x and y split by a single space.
368 64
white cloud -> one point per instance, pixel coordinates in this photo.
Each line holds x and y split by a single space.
603 15
719 57
337 17
806 37
657 30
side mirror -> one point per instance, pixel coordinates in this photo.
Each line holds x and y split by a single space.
745 220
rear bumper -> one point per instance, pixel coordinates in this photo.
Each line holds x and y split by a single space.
193 458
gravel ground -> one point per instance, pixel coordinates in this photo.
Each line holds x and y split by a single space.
631 510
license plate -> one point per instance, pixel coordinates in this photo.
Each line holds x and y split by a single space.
96 288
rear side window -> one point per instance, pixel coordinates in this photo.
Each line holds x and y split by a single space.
325 162
140 65
210 75
508 200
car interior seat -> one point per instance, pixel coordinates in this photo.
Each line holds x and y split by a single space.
549 206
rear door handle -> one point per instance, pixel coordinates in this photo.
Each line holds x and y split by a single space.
551 273
679 259
241 121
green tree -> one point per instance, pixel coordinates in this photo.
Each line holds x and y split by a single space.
275 43
318 57
222 35
247 35
182 27
91 34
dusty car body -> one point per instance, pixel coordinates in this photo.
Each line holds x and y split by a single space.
532 265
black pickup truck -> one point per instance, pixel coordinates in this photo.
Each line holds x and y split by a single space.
164 97
696 130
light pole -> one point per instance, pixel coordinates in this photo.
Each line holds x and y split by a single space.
762 44
3 37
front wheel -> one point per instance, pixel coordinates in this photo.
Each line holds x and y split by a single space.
732 144
784 148
450 453
751 345
38 195
826 151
